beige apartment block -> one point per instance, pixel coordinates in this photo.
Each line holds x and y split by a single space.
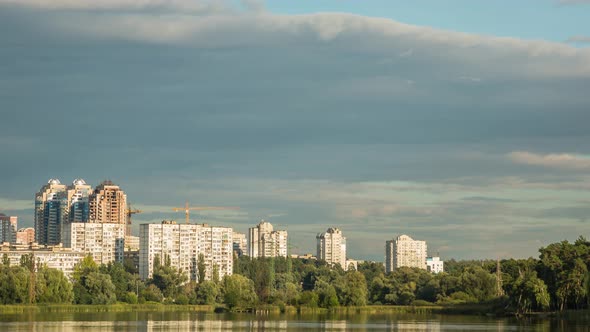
331 247
264 241
405 251
105 242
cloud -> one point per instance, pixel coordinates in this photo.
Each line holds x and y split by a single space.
316 120
561 161
579 39
573 2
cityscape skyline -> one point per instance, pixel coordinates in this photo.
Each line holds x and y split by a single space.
381 118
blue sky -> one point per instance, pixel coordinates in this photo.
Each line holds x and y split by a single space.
462 123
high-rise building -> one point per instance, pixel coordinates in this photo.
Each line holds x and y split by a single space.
108 204
50 212
405 251
105 242
216 245
182 244
8 227
77 195
263 241
25 236
240 243
331 247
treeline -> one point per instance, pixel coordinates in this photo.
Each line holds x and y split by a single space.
558 280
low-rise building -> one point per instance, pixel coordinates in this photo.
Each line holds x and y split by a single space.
434 264
25 235
55 257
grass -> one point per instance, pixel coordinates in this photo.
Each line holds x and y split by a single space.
119 307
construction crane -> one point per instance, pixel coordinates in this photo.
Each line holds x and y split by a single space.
188 208
130 211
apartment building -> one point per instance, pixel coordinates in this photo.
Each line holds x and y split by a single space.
25 235
8 227
105 242
182 244
240 243
264 241
55 257
108 204
331 247
405 251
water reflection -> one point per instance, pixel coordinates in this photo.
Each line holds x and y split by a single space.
192 321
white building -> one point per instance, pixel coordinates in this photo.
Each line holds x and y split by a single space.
240 243
182 244
263 241
56 257
331 247
105 242
404 251
434 264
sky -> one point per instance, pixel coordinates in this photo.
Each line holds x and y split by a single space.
464 123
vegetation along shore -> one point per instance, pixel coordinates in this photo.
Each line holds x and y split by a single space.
557 281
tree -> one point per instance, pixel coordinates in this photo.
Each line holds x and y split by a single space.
355 292
238 291
529 293
326 294
207 292
169 280
90 286
53 287
201 268
152 294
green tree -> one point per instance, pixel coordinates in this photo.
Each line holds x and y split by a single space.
53 287
326 294
151 294
201 268
238 291
529 293
355 292
207 292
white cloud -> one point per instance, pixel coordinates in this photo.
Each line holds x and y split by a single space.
563 161
579 39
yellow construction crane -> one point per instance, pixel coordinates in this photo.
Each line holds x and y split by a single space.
188 208
130 211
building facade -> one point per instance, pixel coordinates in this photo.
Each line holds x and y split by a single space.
331 247
405 252
108 204
435 265
105 242
50 211
8 227
77 195
264 241
182 244
25 236
55 257
240 243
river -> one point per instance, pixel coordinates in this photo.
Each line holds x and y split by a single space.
198 321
